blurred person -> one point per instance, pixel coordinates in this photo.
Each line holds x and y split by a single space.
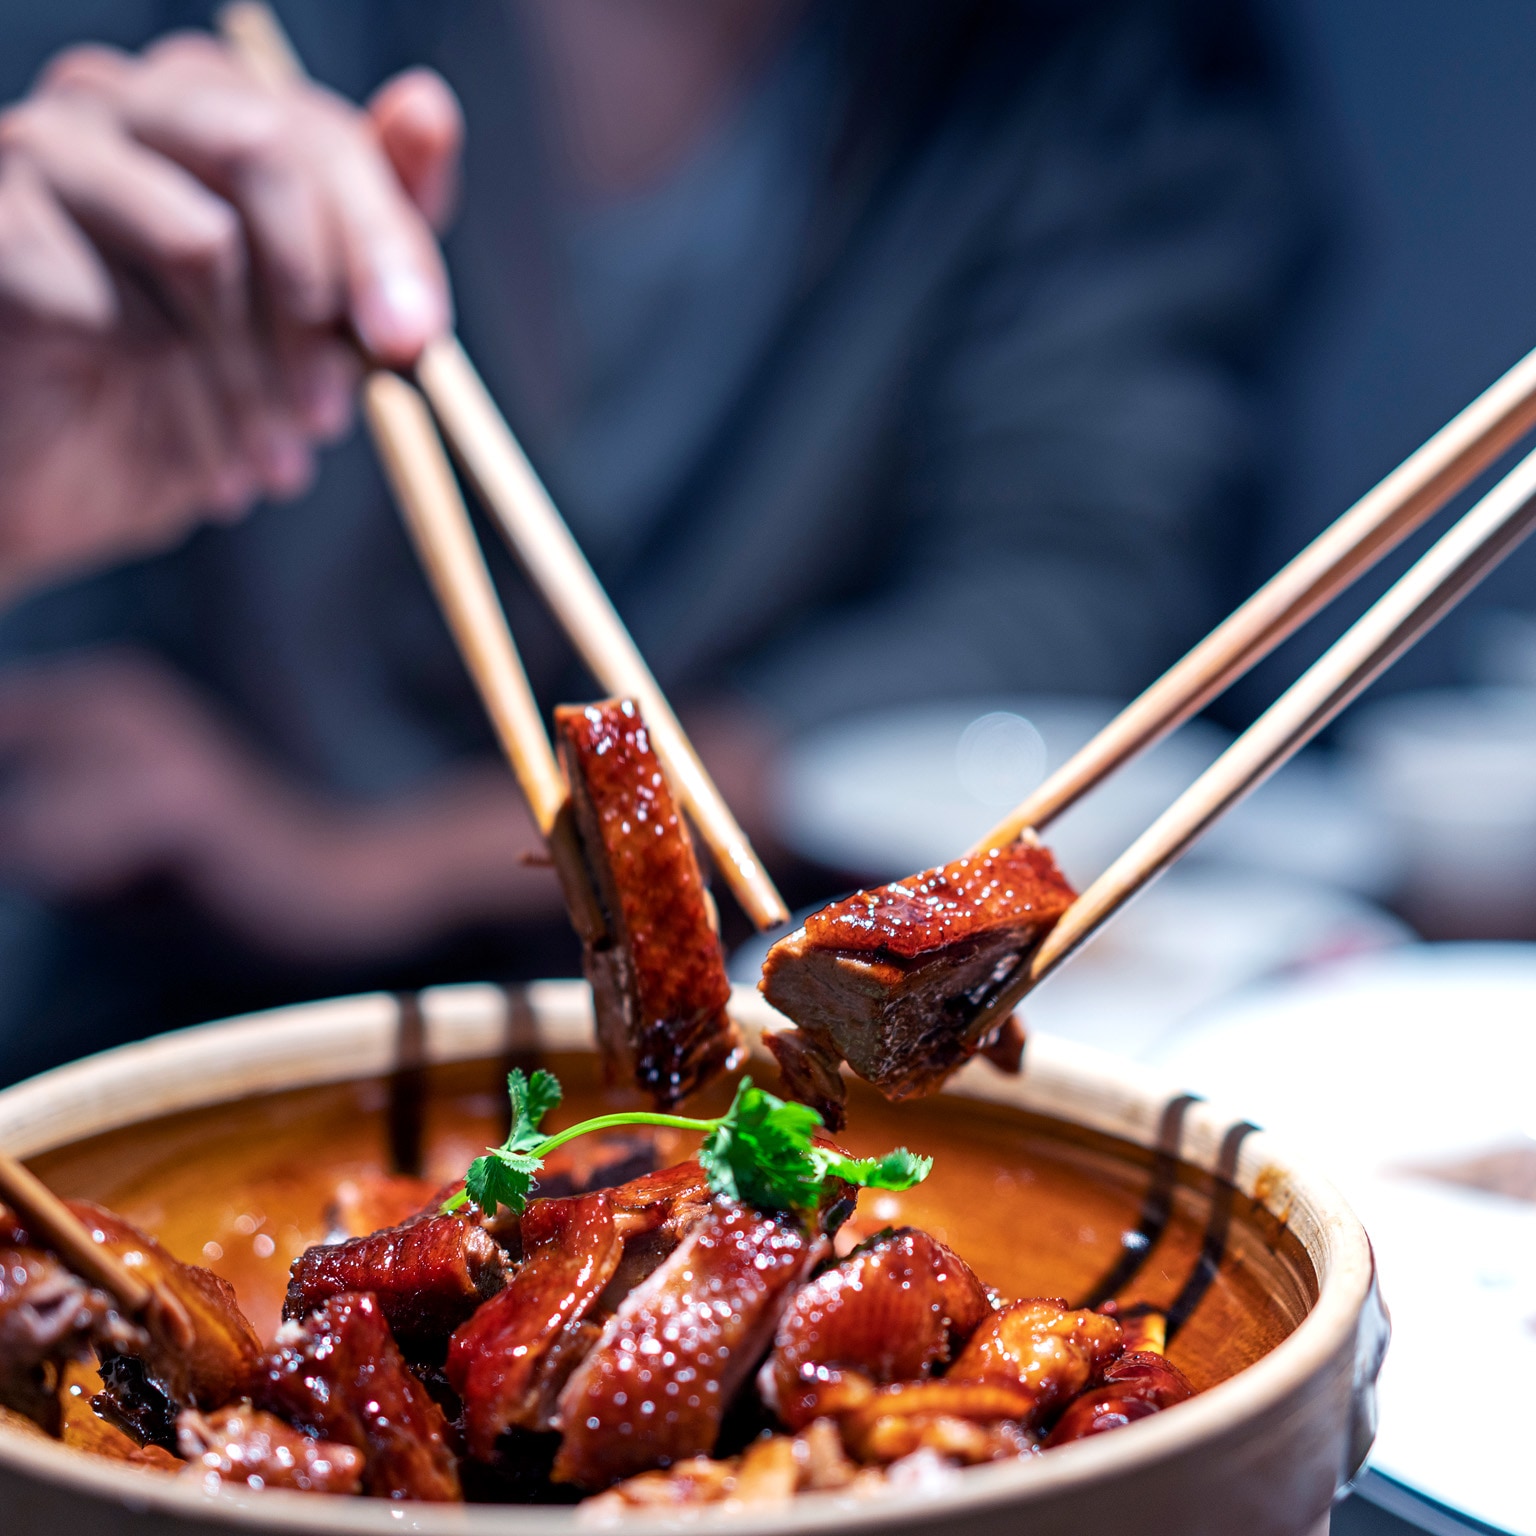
873 351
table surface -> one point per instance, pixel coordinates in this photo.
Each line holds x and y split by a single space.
1381 1506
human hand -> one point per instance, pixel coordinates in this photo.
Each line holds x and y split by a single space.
113 770
182 249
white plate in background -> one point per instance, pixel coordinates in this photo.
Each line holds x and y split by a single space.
1382 1065
889 792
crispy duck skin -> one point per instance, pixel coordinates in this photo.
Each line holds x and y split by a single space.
658 979
1134 1387
498 1359
242 1444
893 1310
893 980
428 1275
83 1428
216 1364
655 1387
340 1375
1020 1363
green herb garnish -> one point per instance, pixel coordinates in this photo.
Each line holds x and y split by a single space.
761 1151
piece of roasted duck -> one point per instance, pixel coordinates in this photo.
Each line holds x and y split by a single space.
659 987
896 980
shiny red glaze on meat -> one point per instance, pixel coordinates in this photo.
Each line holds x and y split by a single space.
241 1444
1134 1387
659 982
427 1275
898 981
1010 887
498 1359
657 1384
671 1197
340 1375
217 1363
1020 1362
1049 1349
891 1311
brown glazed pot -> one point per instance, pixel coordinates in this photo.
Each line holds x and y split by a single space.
1262 1452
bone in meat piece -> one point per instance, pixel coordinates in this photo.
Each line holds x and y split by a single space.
893 980
894 1309
340 1375
242 1444
658 980
206 1370
497 1361
1134 1387
1019 1364
428 1275
655 1387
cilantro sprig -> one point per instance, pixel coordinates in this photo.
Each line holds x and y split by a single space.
762 1151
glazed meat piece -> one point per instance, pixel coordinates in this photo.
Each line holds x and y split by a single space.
1134 1387
428 1275
1046 1347
506 1361
201 1358
656 1385
241 1444
767 1472
894 980
893 1310
48 1315
340 1375
658 980
653 1214
1020 1363
811 1073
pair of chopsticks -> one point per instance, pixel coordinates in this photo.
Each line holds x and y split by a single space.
1376 524
423 482
422 479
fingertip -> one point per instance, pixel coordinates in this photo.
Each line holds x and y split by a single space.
400 311
421 129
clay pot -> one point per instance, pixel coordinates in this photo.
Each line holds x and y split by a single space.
1080 1170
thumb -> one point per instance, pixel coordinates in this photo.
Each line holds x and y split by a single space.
421 129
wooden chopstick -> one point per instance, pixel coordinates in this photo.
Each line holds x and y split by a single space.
527 516
423 482
516 497
51 1223
1343 552
1410 608
427 493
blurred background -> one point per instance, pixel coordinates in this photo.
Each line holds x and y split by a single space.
922 380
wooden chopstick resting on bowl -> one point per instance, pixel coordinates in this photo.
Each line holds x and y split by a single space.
1409 609
1342 553
49 1221
498 467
